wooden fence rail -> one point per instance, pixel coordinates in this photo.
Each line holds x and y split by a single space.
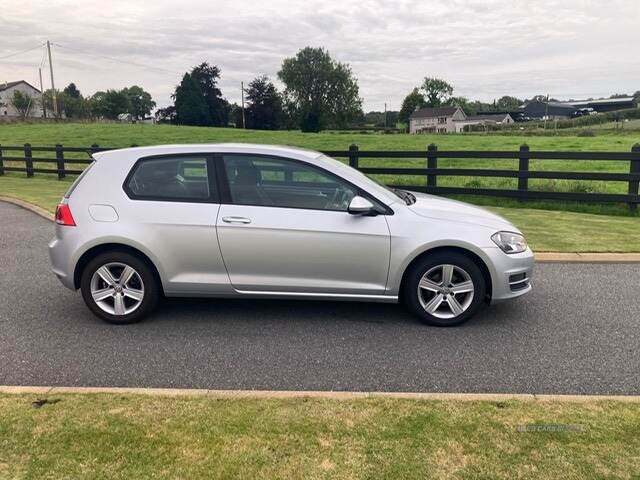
32 155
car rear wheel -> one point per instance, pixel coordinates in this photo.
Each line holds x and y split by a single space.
444 289
119 288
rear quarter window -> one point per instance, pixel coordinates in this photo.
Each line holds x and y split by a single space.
179 178
77 181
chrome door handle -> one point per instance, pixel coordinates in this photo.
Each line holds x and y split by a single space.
236 220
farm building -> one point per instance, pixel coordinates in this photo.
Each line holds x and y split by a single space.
550 110
7 90
450 120
606 104
487 119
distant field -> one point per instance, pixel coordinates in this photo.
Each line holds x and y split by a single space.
124 135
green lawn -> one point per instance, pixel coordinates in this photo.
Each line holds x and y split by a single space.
554 231
124 135
131 436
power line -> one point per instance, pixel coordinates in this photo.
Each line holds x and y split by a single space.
119 60
21 51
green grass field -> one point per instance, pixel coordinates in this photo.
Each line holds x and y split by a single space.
124 135
554 231
121 135
132 436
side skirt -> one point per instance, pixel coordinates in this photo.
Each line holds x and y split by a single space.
348 297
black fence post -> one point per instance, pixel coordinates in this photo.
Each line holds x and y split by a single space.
634 167
60 161
94 147
1 162
353 156
432 162
28 159
523 168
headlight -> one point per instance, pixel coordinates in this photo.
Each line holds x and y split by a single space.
510 242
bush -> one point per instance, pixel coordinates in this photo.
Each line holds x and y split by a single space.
586 133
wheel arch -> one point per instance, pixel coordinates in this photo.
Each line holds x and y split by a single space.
86 257
477 259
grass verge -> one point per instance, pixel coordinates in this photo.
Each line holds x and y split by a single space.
137 436
546 231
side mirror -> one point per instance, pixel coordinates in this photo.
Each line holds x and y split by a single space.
361 206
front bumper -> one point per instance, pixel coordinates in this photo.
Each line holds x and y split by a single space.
510 274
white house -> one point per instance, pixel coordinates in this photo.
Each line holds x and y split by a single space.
435 120
450 120
7 90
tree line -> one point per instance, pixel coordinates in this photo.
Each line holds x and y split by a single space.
319 93
435 92
70 103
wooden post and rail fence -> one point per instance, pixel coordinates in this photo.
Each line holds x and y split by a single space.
32 158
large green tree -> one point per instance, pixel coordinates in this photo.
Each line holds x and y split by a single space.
109 104
508 103
140 101
22 102
191 106
206 77
320 91
436 91
265 105
410 103
71 102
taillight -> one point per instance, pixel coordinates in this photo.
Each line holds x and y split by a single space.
63 215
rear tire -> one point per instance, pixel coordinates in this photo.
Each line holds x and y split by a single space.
114 298
444 289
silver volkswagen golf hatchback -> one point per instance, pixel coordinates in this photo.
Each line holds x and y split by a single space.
234 220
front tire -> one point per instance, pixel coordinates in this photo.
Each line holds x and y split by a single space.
444 289
119 287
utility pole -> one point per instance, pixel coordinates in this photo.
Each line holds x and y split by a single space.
546 112
242 90
44 106
385 114
53 85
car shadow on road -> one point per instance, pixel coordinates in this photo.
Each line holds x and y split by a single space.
296 311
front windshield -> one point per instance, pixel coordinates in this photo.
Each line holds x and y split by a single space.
402 195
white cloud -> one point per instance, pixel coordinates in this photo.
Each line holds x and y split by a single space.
485 48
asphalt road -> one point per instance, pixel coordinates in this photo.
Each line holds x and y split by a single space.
577 332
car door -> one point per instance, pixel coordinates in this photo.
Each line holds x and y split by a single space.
284 227
172 211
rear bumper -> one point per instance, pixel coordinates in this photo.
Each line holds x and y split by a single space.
61 257
511 274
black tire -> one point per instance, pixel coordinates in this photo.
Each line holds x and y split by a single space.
151 287
410 294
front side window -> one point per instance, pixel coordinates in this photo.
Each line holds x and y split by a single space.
181 178
274 182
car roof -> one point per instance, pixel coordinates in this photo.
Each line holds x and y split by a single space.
251 148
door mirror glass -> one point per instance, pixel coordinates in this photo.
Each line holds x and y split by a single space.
361 206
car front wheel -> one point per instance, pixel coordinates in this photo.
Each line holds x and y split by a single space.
119 287
444 289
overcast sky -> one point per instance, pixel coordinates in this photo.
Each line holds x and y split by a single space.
484 48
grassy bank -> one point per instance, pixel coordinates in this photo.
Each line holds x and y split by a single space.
130 436
547 231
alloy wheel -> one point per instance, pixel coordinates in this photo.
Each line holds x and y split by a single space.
445 291
117 288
